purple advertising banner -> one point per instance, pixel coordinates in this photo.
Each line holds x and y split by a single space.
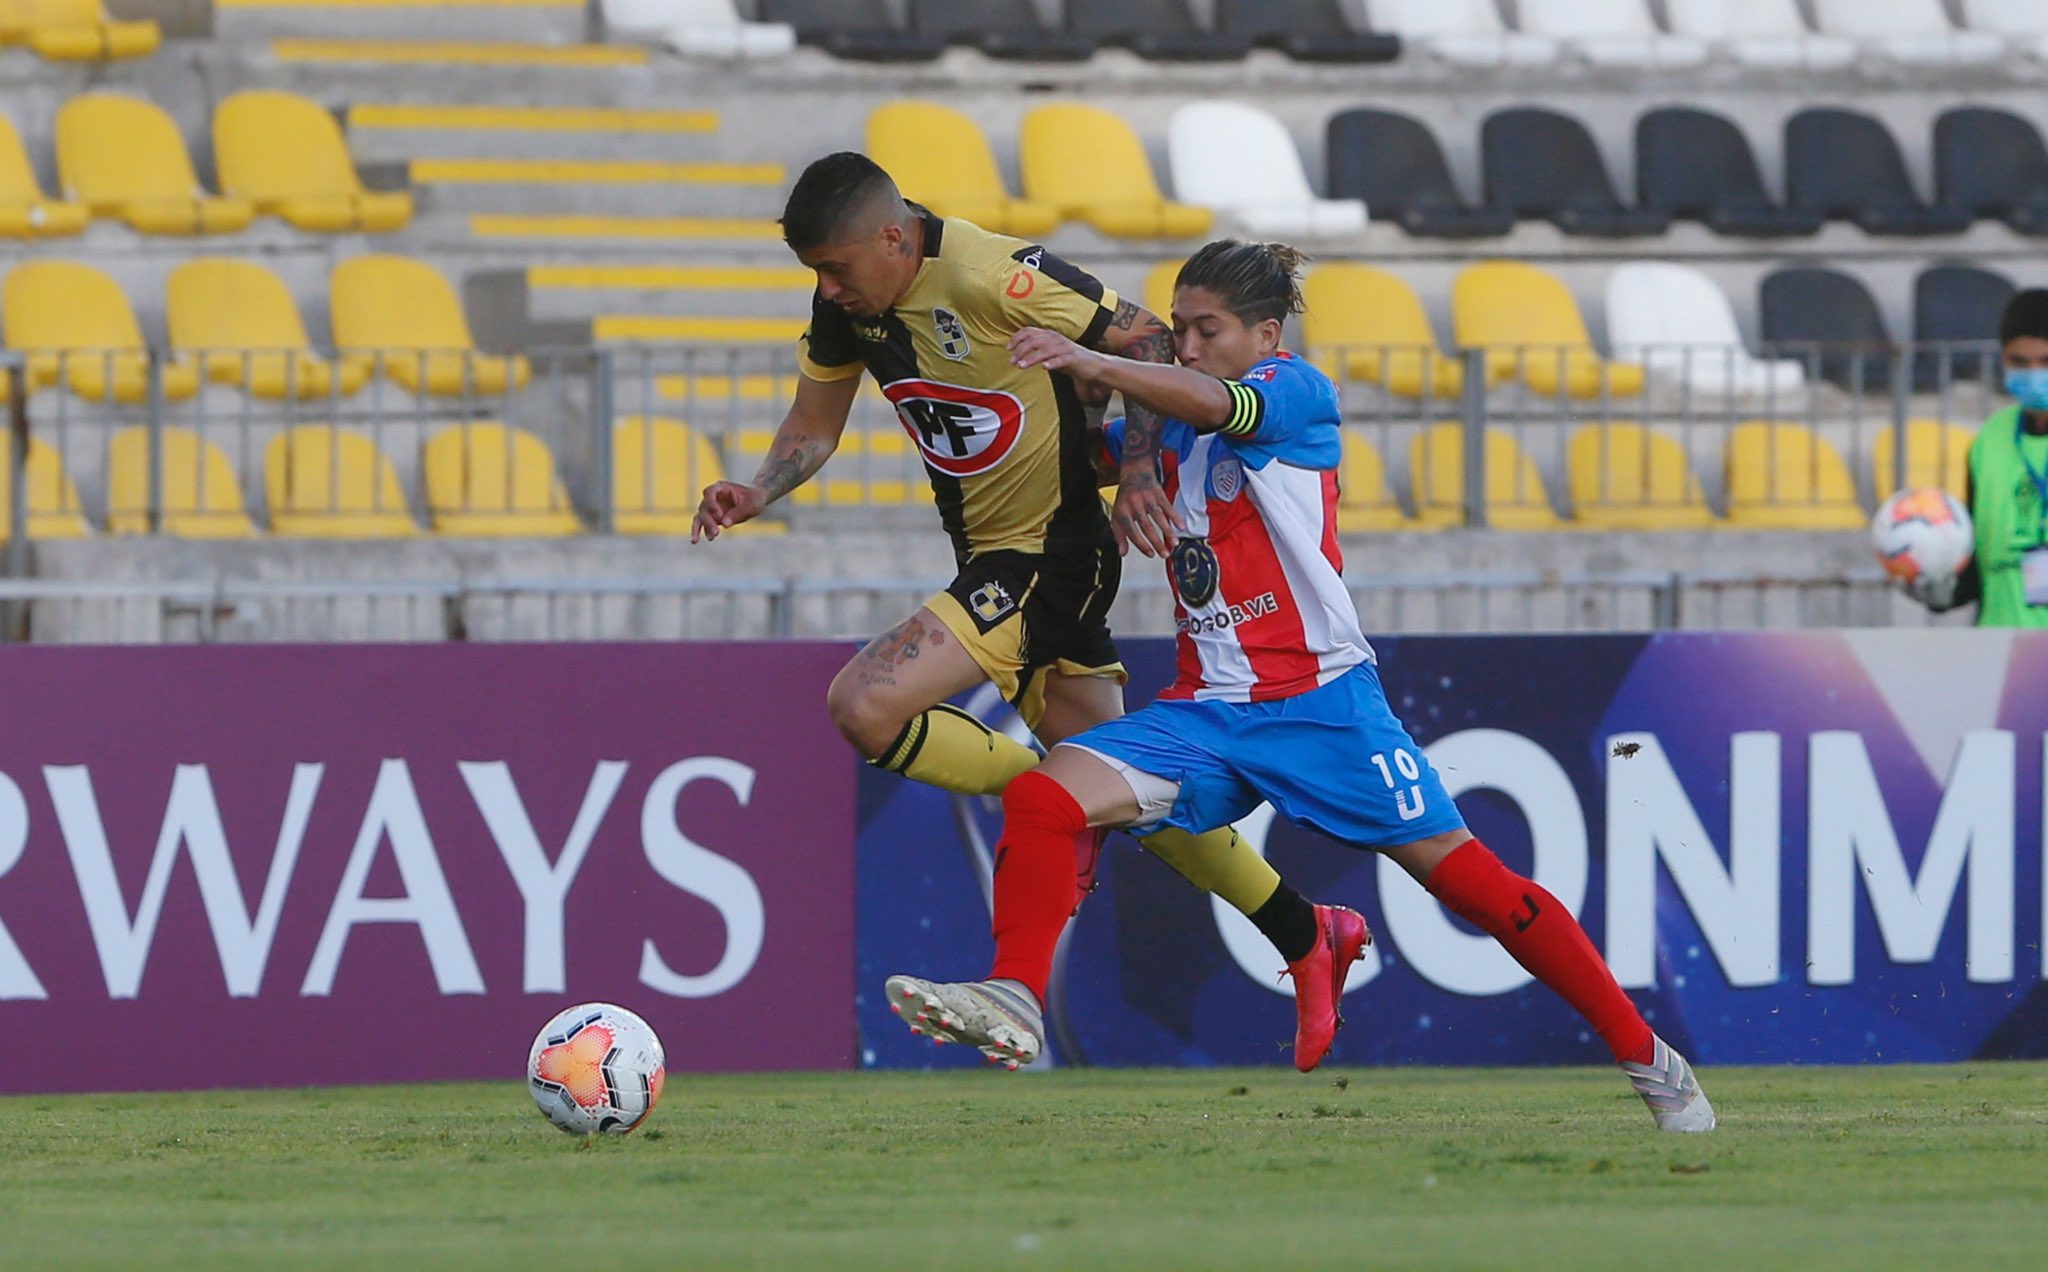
265 866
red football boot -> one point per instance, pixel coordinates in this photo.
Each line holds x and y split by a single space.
1341 938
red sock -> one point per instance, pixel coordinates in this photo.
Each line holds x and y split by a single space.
1034 879
1545 939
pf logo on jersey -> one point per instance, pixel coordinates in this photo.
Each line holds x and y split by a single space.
963 432
952 334
1196 572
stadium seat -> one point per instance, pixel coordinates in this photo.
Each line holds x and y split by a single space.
1697 165
1539 164
1991 163
1609 33
1937 454
286 155
1088 165
322 482
1957 305
1763 33
74 325
404 315
1678 324
202 499
1394 165
1514 493
485 480
1159 30
1782 476
699 28
1530 327
1305 30
2023 23
1462 32
659 470
1844 166
75 31
239 320
1159 282
1625 477
1829 321
25 212
859 29
1362 323
54 510
1365 503
1912 32
1240 160
999 28
122 156
939 157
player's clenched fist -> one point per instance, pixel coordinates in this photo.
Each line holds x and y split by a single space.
725 505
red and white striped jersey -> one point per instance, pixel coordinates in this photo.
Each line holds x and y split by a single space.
1260 603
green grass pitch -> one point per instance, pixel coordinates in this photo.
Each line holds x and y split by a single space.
1896 1167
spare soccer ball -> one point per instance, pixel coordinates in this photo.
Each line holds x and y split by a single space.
1923 532
596 1069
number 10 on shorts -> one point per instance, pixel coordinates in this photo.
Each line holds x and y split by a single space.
1409 801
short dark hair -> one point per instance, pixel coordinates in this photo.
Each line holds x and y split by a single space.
829 191
2026 314
1255 281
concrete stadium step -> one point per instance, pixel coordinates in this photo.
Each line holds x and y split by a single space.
600 231
493 56
396 132
531 21
564 292
622 328
600 186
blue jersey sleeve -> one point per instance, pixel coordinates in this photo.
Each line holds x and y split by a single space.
1285 409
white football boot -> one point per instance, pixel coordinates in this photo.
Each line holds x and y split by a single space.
998 1017
1668 1086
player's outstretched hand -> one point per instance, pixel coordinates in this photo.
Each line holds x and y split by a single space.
725 505
1051 351
1144 518
1936 592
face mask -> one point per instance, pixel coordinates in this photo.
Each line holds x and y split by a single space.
2029 387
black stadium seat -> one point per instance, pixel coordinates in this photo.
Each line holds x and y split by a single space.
859 29
999 28
1162 30
1697 166
1991 163
1845 166
1394 164
1305 30
1957 304
1542 165
1827 320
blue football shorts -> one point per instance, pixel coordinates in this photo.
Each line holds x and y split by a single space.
1335 760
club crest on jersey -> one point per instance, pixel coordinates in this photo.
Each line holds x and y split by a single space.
1226 479
1196 572
991 604
952 334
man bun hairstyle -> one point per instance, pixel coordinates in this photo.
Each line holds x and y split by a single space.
829 193
2026 314
1255 281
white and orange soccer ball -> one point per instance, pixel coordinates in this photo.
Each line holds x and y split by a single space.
1923 532
596 1069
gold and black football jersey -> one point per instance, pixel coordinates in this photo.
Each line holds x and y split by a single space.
1007 449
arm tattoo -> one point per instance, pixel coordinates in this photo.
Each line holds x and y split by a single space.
1141 426
1126 314
790 464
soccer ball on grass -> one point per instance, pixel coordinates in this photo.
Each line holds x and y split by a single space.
596 1069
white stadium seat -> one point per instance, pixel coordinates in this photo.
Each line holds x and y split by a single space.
1464 32
2024 23
1241 161
1910 32
702 28
1610 32
1675 322
1767 33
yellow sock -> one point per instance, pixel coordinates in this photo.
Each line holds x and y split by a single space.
1217 862
947 748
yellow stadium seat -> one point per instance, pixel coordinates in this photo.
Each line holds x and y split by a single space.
488 481
1937 455
659 470
1530 326
54 511
1087 165
286 155
1372 325
1365 502
406 315
1515 498
1624 477
1783 477
122 156
939 158
201 497
1159 289
74 324
25 213
239 319
332 483
74 30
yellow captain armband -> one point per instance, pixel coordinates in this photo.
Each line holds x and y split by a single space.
1247 409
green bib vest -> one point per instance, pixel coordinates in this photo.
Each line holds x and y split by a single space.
2008 517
